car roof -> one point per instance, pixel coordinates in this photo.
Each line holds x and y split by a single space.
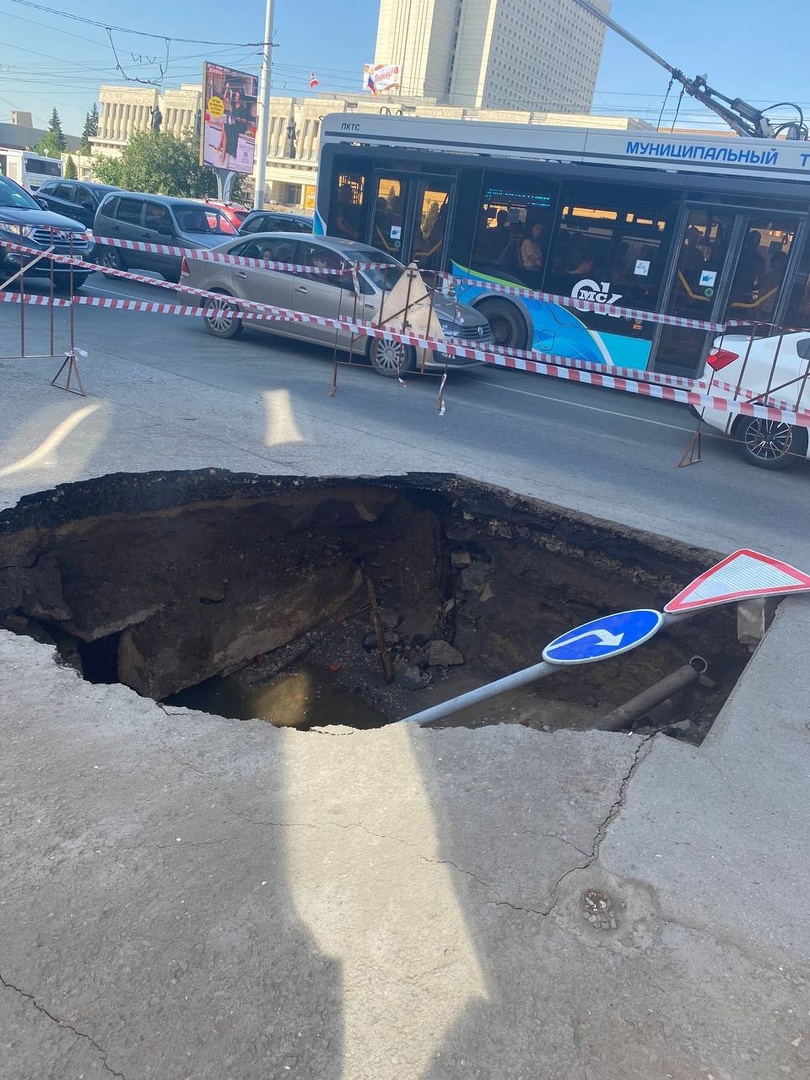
227 205
337 243
84 183
334 243
166 200
284 213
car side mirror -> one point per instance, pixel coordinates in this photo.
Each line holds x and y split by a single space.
803 348
41 202
165 230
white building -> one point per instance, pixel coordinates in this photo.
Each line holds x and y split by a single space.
124 110
499 54
294 128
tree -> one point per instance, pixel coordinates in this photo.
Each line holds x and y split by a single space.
90 130
70 169
162 164
53 142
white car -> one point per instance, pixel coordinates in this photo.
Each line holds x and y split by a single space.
776 367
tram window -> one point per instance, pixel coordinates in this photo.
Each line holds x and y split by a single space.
761 266
798 311
348 206
621 247
389 211
514 227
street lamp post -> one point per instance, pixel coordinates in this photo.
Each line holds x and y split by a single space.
264 107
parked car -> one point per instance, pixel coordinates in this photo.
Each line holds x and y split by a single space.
78 199
155 219
23 221
332 296
275 221
741 362
235 213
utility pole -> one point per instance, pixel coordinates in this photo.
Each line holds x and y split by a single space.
264 107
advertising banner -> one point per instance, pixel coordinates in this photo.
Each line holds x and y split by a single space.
381 77
228 136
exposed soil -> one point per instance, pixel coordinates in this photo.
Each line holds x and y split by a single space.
163 580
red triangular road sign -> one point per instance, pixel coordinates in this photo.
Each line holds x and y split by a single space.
743 575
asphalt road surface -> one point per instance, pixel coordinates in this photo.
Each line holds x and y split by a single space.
611 454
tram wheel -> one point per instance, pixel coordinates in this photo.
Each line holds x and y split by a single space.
509 329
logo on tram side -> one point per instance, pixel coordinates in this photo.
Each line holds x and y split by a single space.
598 291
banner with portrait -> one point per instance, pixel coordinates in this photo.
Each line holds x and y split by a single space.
228 130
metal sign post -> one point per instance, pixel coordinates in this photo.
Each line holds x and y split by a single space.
741 576
225 179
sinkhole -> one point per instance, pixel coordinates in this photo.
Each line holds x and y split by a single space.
354 601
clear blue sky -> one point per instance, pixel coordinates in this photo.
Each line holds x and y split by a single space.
756 53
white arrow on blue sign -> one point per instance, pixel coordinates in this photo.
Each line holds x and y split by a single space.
603 638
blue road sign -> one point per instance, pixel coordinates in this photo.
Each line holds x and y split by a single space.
603 638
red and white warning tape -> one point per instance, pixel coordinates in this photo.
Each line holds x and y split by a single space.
161 283
644 383
737 391
9 297
586 305
208 255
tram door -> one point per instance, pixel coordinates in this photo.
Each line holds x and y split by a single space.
730 265
408 217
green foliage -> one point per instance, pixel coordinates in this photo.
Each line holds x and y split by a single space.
70 169
159 163
53 142
89 130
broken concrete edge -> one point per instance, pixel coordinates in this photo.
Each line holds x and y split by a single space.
161 491
715 830
754 616
784 608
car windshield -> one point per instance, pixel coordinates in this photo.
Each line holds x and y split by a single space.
390 271
219 223
202 220
13 195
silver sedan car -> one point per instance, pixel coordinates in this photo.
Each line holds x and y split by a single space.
332 296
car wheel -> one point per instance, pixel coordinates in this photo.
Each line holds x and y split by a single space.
224 322
391 358
770 444
508 326
109 259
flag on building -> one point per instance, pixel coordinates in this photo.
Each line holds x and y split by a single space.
370 84
313 82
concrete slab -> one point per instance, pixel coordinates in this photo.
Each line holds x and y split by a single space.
185 896
719 831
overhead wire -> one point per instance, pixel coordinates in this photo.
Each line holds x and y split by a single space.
126 30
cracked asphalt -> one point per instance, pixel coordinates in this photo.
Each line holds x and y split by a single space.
191 897
185 897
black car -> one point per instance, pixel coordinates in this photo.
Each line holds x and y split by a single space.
78 199
23 221
275 221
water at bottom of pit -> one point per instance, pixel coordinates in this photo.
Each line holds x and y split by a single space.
309 697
